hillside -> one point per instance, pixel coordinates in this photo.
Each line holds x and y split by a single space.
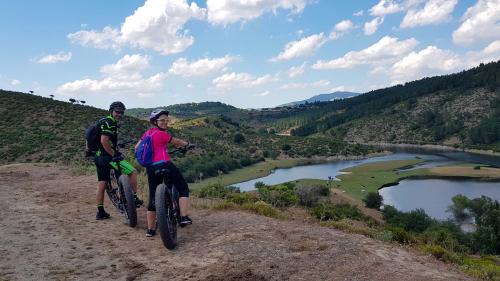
37 129
461 109
191 110
48 232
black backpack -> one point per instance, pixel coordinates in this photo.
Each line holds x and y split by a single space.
93 134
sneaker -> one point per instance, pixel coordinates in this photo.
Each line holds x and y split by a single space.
138 201
185 221
150 233
102 215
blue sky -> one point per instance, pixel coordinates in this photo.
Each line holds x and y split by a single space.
250 54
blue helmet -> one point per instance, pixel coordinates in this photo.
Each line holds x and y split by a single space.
156 113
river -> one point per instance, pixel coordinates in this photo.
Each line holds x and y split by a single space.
432 195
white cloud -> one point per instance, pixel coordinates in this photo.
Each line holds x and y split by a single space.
358 13
338 89
240 80
230 11
317 84
372 26
109 38
303 47
488 54
341 28
200 67
122 77
428 62
59 57
295 71
344 26
263 94
480 23
157 25
385 7
15 82
434 12
385 50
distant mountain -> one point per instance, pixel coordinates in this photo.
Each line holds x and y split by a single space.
324 97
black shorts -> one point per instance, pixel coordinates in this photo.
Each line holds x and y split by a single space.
104 165
154 180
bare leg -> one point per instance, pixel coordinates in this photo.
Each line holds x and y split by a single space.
99 195
184 206
133 180
151 216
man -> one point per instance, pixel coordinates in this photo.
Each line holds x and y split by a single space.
106 156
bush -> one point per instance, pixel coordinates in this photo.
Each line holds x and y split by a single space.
239 138
310 196
400 235
242 198
331 211
373 200
217 190
278 195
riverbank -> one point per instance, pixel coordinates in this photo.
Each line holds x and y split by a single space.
434 147
265 168
366 178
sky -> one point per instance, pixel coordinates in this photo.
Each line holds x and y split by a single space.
246 53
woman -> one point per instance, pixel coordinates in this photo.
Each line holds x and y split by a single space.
161 159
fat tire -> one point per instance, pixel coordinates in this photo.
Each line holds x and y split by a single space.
112 183
129 202
166 221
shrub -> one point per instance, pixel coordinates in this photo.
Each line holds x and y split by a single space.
310 196
239 138
217 190
331 211
278 195
264 209
400 235
441 253
242 198
373 200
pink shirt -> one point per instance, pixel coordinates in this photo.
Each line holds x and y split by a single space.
161 139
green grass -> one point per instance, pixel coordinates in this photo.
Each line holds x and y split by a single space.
258 170
370 177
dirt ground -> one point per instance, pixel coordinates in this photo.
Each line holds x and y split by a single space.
48 231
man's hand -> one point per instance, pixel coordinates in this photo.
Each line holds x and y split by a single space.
117 157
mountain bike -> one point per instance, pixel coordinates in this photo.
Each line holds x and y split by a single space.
120 192
168 213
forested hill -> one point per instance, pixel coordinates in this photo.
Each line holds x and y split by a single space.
192 110
457 109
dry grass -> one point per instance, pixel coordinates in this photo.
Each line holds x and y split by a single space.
468 171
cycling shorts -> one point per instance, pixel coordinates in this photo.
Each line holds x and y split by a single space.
104 165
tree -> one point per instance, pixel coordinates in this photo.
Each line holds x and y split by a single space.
373 200
72 100
51 96
239 138
82 102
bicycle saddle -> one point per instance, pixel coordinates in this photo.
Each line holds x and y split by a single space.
162 172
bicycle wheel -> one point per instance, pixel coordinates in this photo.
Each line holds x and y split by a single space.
128 201
112 190
166 217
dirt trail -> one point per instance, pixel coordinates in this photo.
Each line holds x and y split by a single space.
48 232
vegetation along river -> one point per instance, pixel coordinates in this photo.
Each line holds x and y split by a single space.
432 195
